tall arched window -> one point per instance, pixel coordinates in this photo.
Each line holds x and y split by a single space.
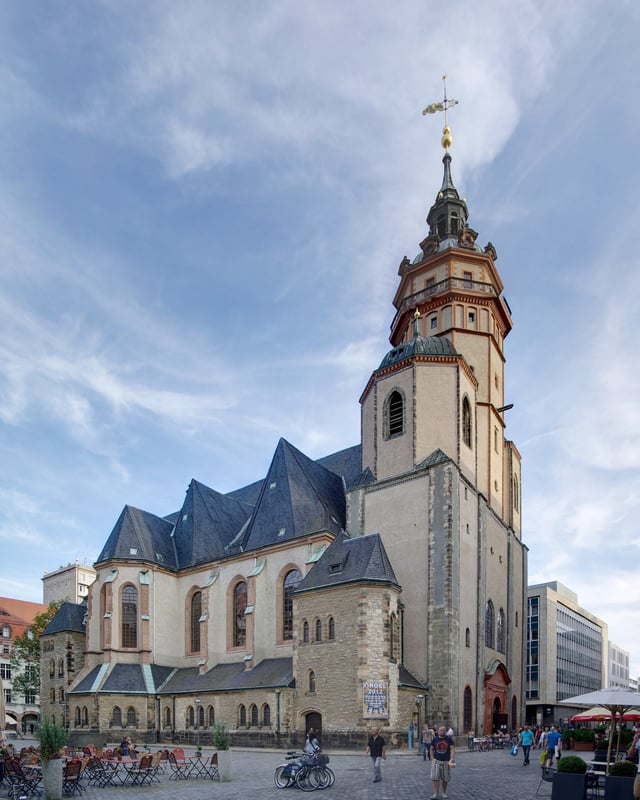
394 415
516 494
318 630
312 681
52 668
167 717
191 717
467 709
85 716
467 638
196 613
466 422
305 631
242 716
253 715
332 628
129 617
239 620
201 716
131 717
500 645
488 624
266 715
211 715
292 579
392 638
116 717
77 717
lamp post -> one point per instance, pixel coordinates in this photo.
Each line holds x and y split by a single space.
197 702
419 699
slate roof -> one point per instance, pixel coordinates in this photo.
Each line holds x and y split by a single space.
269 673
69 617
419 346
362 559
298 497
126 679
140 536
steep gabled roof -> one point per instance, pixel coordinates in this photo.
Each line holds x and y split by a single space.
69 617
297 498
362 559
140 536
206 524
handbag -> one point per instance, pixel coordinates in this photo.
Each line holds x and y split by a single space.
514 750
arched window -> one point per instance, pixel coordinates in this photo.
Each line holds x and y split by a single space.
331 628
6 631
394 415
52 668
211 716
242 716
516 494
239 619
488 624
77 717
116 717
129 617
167 717
305 631
61 668
467 709
196 613
312 681
131 717
52 695
318 630
500 632
266 716
85 716
467 638
392 638
191 717
466 422
291 580
253 715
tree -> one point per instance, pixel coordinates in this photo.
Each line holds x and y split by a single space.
25 656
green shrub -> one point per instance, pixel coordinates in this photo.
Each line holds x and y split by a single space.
52 739
624 769
584 735
220 736
572 764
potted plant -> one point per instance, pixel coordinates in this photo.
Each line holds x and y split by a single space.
221 742
199 751
618 784
583 739
52 739
570 779
567 739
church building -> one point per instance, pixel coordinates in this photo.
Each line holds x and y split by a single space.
384 584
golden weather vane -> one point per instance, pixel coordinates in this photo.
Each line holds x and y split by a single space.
444 106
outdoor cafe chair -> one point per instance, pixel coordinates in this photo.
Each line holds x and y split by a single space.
71 777
546 777
142 772
27 783
179 771
211 768
96 773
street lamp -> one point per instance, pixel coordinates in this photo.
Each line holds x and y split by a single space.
197 702
419 699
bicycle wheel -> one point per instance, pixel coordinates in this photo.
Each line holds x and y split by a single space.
307 779
330 775
282 777
324 779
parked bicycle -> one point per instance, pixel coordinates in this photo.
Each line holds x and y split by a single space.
307 772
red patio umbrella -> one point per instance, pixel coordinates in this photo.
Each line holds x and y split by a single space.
600 714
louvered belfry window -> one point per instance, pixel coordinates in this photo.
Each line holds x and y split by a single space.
396 414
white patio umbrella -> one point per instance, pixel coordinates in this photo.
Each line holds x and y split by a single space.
616 700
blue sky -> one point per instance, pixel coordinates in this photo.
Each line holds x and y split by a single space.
202 210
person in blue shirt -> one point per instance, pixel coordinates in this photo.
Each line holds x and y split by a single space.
525 740
554 745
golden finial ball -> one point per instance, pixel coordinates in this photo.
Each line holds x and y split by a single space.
447 139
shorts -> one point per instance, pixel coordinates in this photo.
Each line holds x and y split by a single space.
440 770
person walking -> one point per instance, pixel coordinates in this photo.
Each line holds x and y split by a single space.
443 755
525 740
377 752
427 737
554 745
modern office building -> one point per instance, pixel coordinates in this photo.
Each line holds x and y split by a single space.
70 583
566 652
618 670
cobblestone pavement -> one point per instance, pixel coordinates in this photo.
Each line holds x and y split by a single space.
492 775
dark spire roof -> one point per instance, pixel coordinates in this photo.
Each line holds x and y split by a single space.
206 524
140 536
419 346
448 215
362 559
298 497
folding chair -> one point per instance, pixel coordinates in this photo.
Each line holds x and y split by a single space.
71 777
179 771
96 773
211 769
25 783
546 777
143 772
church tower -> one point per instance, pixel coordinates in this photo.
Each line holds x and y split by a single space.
440 482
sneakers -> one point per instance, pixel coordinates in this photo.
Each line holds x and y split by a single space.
434 797
445 797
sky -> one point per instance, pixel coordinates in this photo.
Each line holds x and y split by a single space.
203 206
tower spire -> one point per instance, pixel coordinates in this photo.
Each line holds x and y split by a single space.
445 105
